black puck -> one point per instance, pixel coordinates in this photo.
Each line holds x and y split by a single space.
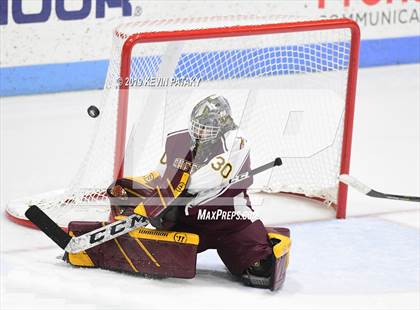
93 111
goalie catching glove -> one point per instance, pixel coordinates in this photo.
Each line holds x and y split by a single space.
149 196
158 204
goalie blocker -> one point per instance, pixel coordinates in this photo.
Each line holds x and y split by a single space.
161 253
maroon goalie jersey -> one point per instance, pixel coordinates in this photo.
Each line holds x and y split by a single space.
215 206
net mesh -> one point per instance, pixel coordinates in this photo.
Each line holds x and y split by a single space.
287 92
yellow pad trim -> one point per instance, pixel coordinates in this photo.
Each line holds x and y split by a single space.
133 192
168 236
147 252
171 187
182 183
162 200
140 210
144 180
81 259
125 256
281 248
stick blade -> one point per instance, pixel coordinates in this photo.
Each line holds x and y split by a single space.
48 226
356 184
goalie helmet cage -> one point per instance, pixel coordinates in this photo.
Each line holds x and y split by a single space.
291 85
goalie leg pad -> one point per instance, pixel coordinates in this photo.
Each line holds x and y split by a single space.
280 238
144 251
241 249
271 271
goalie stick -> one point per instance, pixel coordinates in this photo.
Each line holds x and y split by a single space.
114 229
356 184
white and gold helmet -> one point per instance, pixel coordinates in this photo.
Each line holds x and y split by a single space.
210 119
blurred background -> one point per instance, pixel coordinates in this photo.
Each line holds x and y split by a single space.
63 45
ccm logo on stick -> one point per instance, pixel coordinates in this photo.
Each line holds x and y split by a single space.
44 13
114 229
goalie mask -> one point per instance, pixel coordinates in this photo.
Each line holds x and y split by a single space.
210 119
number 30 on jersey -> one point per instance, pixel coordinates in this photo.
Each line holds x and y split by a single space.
220 164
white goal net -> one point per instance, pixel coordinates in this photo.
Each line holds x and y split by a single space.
290 86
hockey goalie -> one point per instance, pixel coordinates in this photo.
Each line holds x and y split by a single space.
193 207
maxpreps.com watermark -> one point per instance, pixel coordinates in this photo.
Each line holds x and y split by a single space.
219 214
159 82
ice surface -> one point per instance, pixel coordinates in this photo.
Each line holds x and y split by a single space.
369 261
